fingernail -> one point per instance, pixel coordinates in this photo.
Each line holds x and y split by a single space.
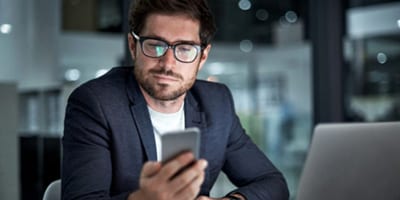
204 164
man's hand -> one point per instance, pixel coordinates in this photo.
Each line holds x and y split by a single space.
160 182
208 198
223 198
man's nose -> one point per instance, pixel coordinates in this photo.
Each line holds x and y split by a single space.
169 60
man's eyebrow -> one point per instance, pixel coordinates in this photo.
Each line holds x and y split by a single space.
175 42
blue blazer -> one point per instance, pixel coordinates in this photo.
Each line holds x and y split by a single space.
108 136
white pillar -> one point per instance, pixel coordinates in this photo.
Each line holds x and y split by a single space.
9 151
29 52
12 38
43 30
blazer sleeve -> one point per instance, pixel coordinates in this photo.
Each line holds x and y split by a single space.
86 151
249 169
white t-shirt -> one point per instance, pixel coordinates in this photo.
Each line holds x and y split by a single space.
165 122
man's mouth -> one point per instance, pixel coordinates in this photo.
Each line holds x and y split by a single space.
166 75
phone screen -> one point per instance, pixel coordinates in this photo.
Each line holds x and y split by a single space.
177 142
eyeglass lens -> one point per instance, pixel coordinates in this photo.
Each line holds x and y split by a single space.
157 48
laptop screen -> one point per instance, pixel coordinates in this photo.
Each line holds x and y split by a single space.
352 161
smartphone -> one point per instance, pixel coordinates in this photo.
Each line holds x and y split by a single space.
177 142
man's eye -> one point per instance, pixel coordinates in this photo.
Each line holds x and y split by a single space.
156 45
185 48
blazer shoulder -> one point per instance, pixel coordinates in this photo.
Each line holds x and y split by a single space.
207 87
110 84
115 77
211 94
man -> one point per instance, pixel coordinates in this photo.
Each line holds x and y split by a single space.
113 124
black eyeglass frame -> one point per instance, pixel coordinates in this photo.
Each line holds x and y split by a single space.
199 48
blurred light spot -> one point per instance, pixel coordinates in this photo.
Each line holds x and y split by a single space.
72 75
291 17
101 72
381 57
398 23
246 46
5 28
262 14
244 4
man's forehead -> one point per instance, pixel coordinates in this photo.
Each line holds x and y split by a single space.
171 25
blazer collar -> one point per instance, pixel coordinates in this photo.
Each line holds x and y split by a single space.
194 117
141 117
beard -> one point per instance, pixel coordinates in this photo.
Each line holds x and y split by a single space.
163 92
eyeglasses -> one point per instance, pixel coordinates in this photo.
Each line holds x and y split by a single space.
156 48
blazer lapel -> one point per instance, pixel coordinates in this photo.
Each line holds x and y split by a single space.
141 118
196 118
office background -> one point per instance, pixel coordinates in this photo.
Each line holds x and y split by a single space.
290 64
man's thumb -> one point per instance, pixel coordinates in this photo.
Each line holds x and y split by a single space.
150 168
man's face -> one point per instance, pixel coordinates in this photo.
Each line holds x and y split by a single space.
166 78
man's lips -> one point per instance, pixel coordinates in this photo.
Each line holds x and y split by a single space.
163 77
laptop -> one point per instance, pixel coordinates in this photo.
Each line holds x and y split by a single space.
353 161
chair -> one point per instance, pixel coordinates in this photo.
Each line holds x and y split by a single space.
53 191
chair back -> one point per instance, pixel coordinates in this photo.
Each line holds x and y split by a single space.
53 191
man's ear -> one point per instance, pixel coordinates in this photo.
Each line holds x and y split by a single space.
132 45
204 55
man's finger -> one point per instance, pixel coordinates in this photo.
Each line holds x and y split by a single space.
150 168
190 174
174 166
188 183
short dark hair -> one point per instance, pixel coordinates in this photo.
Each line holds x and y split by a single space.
196 9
